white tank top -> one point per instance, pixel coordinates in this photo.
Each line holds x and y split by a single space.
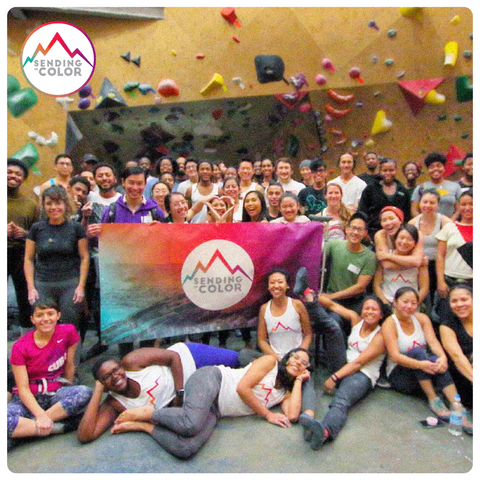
407 342
157 387
284 332
357 344
394 279
201 216
229 402
430 243
253 186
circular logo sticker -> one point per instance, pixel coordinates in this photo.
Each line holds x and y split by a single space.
217 274
58 58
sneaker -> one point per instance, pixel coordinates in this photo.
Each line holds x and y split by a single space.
384 383
305 422
318 430
301 281
439 409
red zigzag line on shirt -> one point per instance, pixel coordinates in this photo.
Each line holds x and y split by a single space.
268 390
152 401
279 324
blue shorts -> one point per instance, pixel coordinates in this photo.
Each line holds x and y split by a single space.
206 355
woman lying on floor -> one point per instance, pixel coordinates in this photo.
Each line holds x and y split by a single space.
215 392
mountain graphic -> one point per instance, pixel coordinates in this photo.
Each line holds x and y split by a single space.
279 324
204 269
56 38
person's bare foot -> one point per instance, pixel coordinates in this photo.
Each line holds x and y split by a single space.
132 427
139 414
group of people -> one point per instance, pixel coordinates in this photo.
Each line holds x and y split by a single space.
397 302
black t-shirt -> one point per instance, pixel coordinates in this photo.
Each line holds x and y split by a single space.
369 179
464 339
56 250
313 200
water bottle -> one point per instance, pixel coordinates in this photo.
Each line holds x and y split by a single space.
456 417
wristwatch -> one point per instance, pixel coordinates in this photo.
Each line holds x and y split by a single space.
180 393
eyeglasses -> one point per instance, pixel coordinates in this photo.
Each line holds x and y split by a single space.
297 357
357 229
110 374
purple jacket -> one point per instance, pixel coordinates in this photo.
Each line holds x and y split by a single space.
124 215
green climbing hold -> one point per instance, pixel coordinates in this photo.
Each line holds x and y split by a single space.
28 155
458 118
465 135
467 54
392 33
21 101
12 84
464 89
130 86
443 117
389 62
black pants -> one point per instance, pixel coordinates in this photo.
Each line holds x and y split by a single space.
15 258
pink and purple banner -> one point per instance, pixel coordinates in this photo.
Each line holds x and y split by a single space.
165 280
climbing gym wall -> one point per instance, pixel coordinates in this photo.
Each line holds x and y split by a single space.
397 81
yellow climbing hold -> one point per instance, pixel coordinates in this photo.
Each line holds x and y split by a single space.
451 53
381 124
434 98
215 82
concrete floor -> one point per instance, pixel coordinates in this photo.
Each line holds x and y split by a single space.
382 435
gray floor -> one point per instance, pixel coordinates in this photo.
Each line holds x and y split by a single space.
382 435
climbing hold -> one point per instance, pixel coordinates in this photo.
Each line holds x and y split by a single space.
215 82
389 62
392 33
465 135
174 53
168 88
377 93
355 74
434 98
374 59
410 12
359 104
85 91
126 56
109 96
20 101
381 124
471 36
145 88
401 74
458 118
235 39
340 98
337 112
137 60
83 103
130 86
451 53
270 68
13 84
299 81
467 54
200 56
455 20
64 101
28 155
336 132
238 81
373 24
305 107
442 117
328 118
370 143
327 63
320 79
341 141
228 13
464 89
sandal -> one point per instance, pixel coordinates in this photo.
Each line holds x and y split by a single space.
467 422
439 409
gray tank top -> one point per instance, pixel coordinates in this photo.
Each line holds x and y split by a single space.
430 243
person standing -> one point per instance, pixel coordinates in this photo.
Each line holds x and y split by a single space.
284 171
245 173
22 213
466 182
449 191
63 173
387 191
312 198
372 174
352 186
191 170
411 171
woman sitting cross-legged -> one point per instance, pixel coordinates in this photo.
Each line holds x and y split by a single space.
215 392
354 380
416 359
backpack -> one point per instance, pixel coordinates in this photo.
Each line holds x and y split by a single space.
112 212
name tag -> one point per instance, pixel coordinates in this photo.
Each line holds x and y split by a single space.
147 218
354 269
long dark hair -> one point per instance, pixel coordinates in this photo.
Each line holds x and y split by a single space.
263 212
284 379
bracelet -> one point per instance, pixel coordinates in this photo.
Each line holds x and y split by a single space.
334 378
180 393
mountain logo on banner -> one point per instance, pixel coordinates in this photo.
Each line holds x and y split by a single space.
217 274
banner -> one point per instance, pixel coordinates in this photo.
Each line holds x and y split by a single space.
165 280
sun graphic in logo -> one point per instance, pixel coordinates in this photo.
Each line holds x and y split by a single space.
217 274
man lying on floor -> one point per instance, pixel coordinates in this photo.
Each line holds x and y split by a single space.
146 376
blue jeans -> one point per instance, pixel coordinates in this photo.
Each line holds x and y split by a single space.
406 379
328 326
351 390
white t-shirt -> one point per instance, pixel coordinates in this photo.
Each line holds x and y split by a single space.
293 186
298 219
352 190
184 186
97 198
